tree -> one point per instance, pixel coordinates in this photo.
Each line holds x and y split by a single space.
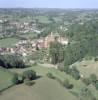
74 52
56 52
11 61
29 74
67 84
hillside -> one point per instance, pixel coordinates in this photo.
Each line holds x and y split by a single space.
44 89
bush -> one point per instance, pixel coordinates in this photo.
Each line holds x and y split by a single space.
75 73
67 69
29 74
93 78
86 94
67 84
50 75
96 59
96 85
20 79
86 81
60 66
15 79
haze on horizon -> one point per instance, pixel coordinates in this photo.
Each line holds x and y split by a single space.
49 4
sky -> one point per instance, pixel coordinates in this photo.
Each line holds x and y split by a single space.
48 3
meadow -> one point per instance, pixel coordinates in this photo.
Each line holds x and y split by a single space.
5 79
8 42
45 88
28 35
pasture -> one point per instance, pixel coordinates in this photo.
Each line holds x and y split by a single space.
28 35
43 19
8 42
44 89
48 89
42 71
5 79
87 67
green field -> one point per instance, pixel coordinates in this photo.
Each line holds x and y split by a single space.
28 35
48 89
43 19
87 67
8 42
42 71
44 89
5 79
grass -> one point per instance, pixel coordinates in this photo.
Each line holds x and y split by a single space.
43 19
58 19
44 89
87 67
5 79
29 35
8 42
42 71
48 89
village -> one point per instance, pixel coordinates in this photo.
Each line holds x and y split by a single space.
25 47
17 27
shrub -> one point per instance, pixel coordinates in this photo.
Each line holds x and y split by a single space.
86 94
29 74
86 81
20 79
93 78
67 84
50 75
67 69
96 59
15 79
96 85
72 71
60 66
75 73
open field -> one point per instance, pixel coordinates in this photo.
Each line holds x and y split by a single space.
42 71
87 67
5 79
43 19
28 35
8 42
48 89
44 89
